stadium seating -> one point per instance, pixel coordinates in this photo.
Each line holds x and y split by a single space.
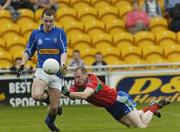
66 14
5 17
108 12
101 40
164 38
69 51
100 3
172 53
119 3
123 10
123 39
178 37
114 26
132 55
144 39
88 60
64 3
153 54
5 14
5 59
94 27
15 40
73 27
111 51
38 14
8 29
80 3
158 24
27 28
79 40
88 52
2 43
26 13
113 60
87 13
16 51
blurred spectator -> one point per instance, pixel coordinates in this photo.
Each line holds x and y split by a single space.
137 20
99 61
45 4
169 4
76 59
172 12
17 64
19 4
152 8
7 4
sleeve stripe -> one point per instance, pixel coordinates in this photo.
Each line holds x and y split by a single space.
64 48
29 49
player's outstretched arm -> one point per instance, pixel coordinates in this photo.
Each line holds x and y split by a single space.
82 95
78 95
25 58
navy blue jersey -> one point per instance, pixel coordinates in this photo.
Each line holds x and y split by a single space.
47 44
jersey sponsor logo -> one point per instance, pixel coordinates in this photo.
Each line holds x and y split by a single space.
49 51
40 42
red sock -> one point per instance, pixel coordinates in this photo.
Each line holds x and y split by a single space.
145 109
153 108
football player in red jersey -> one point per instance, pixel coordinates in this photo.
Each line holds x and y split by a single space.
119 104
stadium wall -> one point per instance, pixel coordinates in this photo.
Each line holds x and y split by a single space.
143 85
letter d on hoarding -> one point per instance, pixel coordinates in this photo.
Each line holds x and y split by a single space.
145 85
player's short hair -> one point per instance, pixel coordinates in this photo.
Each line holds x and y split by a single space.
49 12
76 51
98 53
18 58
82 68
134 2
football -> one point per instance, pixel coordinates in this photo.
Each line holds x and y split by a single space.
51 66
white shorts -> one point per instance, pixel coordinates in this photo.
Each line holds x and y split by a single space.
52 81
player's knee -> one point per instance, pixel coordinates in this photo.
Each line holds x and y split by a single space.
53 109
37 97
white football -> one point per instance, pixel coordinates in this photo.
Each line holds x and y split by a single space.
51 66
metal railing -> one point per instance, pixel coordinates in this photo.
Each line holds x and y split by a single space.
128 67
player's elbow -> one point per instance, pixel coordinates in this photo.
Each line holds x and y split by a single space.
85 96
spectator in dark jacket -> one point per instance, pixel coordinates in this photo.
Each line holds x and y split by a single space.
172 12
99 61
7 4
45 4
17 64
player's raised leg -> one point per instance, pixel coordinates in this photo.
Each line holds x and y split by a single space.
155 106
38 88
53 108
136 120
148 112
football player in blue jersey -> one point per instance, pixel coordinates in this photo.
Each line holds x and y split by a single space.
49 42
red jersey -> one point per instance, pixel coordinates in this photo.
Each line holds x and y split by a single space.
104 96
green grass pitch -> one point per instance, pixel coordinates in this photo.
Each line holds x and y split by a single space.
85 118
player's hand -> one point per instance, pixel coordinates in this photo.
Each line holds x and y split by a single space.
20 70
63 70
65 90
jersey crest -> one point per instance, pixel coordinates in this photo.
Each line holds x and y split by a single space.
40 42
55 40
